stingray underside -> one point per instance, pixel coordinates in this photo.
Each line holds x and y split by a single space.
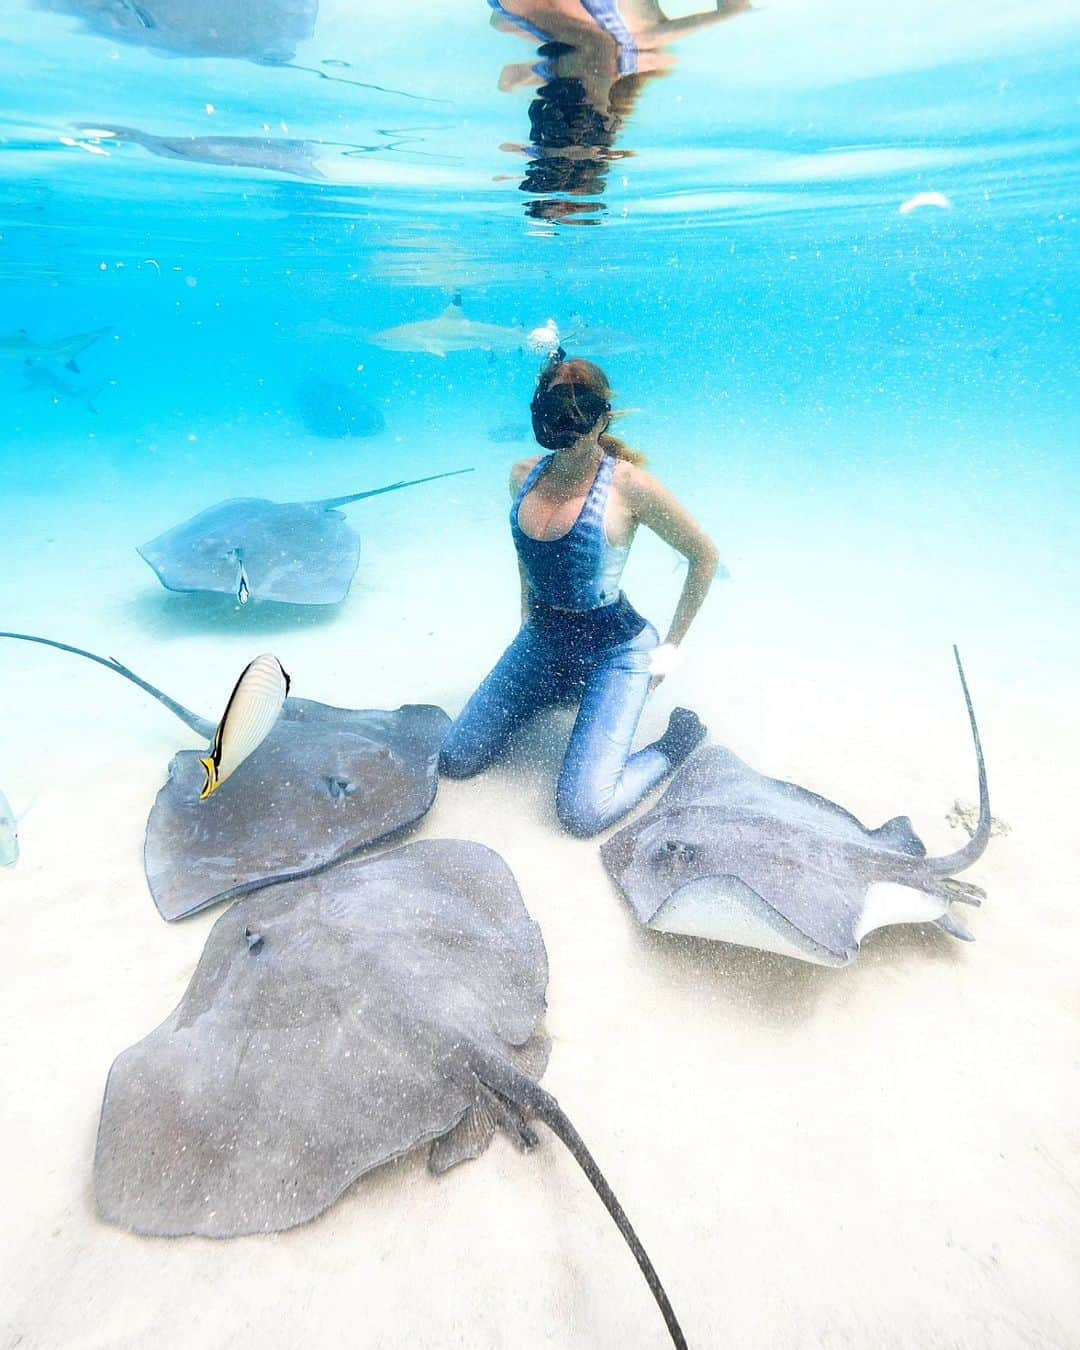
325 782
297 553
327 1029
732 855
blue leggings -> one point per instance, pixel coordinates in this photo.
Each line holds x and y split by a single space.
600 779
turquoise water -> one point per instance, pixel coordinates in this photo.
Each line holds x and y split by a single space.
747 238
873 410
818 370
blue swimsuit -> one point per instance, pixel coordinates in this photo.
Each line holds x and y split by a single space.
604 13
580 570
582 642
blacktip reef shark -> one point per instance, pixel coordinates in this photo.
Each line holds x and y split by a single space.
61 351
453 332
729 854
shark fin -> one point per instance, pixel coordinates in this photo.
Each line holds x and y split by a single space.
73 365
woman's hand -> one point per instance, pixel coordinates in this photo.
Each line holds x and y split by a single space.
664 661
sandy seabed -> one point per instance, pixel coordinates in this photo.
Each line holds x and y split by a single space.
883 1156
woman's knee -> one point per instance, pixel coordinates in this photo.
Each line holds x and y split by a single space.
459 758
581 812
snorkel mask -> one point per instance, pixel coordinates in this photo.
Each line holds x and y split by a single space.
563 413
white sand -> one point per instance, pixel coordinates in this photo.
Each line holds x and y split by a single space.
879 1156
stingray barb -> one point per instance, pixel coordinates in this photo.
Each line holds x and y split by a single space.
323 783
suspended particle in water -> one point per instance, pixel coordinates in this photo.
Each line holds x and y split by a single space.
923 199
191 281
210 110
152 262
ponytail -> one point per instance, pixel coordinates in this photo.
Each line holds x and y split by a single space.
611 445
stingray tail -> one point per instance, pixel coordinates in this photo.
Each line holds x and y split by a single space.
533 1098
193 720
329 503
976 846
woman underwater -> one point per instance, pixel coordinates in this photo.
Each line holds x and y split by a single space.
574 515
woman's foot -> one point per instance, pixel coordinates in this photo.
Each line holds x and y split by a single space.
684 734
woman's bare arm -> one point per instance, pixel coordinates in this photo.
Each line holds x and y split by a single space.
652 27
654 506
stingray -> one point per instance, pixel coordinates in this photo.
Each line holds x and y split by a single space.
276 154
254 30
325 783
732 855
297 553
332 1024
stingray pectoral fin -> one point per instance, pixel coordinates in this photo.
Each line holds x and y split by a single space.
899 834
726 909
467 1140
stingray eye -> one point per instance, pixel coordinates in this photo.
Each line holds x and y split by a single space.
254 940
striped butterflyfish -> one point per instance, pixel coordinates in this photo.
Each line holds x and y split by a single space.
253 708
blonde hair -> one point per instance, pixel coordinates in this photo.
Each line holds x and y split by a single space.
576 371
